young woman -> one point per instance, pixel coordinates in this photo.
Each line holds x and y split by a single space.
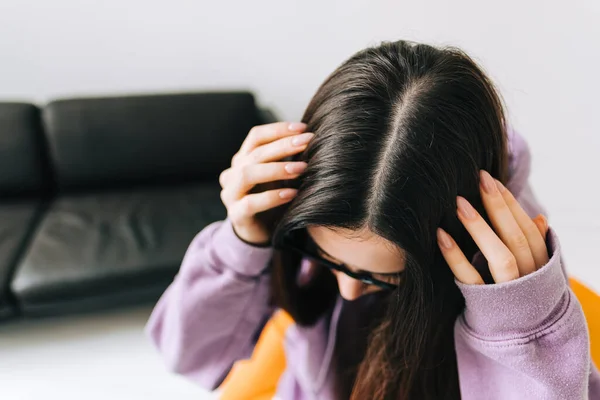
406 248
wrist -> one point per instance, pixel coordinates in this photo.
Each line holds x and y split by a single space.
261 244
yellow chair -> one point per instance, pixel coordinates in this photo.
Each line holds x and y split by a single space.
257 378
590 302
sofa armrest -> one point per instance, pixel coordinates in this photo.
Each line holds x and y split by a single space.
267 116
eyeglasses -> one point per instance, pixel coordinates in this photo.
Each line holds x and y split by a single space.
310 251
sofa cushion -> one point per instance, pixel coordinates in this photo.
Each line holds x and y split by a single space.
21 150
17 220
100 250
121 141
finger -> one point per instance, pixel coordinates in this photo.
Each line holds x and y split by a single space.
462 269
539 224
280 148
505 224
542 224
254 203
263 134
535 237
224 177
502 262
251 175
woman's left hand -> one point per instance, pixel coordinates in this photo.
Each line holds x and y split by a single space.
516 245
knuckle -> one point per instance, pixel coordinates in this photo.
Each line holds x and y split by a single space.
222 177
531 229
520 242
497 202
245 207
507 263
223 196
245 174
254 131
509 199
234 215
235 159
258 131
255 155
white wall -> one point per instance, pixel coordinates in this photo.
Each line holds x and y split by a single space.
544 55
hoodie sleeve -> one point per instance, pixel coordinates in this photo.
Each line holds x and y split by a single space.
527 338
211 314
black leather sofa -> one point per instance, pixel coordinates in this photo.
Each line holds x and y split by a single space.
100 197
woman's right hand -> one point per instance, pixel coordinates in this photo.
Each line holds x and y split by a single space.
259 161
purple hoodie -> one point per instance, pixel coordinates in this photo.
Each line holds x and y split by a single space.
523 339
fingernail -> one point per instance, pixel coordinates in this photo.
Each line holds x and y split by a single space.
295 168
500 186
287 193
297 126
487 182
302 139
444 239
465 208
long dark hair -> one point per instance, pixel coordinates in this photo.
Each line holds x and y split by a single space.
400 129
